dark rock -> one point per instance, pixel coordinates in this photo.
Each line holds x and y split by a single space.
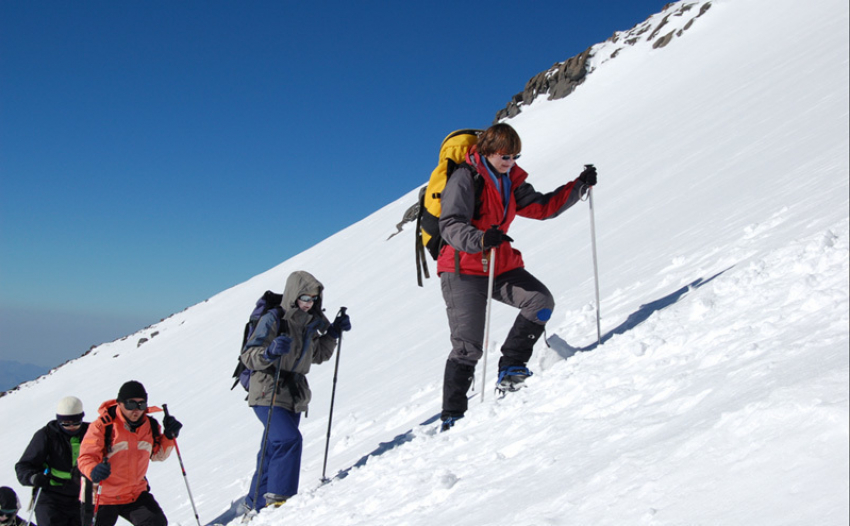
663 41
564 77
556 82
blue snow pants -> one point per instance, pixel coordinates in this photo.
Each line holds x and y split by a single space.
282 463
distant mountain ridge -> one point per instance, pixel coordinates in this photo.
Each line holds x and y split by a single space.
562 79
13 374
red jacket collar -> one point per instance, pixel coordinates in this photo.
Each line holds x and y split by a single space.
517 174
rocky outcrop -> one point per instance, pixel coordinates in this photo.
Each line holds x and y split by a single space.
564 77
557 82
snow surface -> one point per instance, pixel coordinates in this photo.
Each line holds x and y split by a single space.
720 393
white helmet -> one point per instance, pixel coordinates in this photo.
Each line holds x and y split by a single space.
69 408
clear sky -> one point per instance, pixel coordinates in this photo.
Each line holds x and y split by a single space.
155 153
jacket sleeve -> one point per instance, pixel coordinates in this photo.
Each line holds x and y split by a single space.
535 205
34 458
162 446
458 207
91 448
325 346
252 355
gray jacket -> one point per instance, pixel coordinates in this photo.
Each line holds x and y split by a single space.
310 344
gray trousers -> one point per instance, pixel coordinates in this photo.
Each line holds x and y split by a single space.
466 303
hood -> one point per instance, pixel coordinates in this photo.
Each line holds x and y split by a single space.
298 283
104 407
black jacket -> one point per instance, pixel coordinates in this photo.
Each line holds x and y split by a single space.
51 448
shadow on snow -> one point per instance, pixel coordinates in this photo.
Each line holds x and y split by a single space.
236 509
643 313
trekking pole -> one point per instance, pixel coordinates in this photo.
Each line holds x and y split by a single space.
333 395
34 501
96 504
32 507
183 469
595 265
266 436
490 280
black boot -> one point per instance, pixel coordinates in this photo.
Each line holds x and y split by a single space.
456 382
519 343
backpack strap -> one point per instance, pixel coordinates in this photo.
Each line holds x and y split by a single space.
477 182
250 327
421 262
478 187
282 326
155 432
107 421
288 380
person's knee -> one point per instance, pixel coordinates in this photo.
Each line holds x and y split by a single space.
540 309
160 520
286 438
543 315
467 353
155 519
149 513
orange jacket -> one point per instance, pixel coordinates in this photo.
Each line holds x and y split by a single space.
129 456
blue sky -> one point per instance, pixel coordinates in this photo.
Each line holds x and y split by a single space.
153 154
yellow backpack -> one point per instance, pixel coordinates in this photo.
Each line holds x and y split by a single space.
452 154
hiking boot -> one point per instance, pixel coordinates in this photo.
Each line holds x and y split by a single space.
512 379
449 423
246 513
274 500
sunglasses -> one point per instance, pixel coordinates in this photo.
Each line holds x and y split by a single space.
132 405
4 513
70 423
306 298
510 157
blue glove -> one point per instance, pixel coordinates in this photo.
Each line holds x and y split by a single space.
101 472
278 348
171 427
340 324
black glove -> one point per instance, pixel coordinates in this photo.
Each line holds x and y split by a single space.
171 427
278 348
101 472
494 237
588 176
39 480
340 324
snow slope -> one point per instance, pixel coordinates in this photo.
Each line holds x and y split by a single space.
720 393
